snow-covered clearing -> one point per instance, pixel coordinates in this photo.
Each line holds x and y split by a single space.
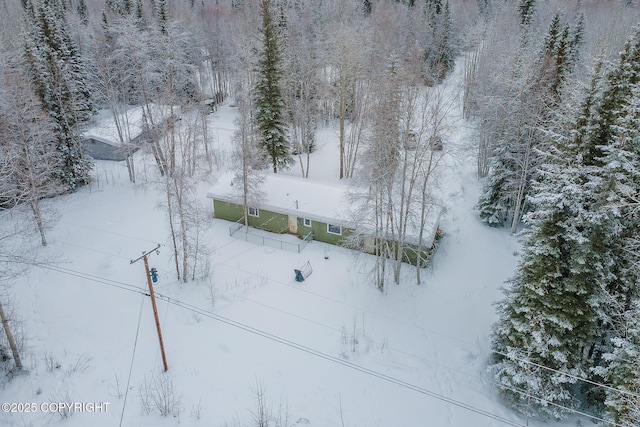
331 351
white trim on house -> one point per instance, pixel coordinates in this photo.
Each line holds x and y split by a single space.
306 222
290 195
253 212
337 232
322 202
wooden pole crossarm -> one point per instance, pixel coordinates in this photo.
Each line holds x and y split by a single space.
144 254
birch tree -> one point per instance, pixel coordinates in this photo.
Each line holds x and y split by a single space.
27 144
185 215
119 80
527 101
301 82
246 158
347 81
380 166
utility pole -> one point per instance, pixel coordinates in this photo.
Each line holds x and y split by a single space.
153 302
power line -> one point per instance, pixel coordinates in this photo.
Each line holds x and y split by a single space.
224 264
93 250
129 287
264 334
375 373
337 360
369 340
133 355
588 381
109 232
109 282
474 377
292 344
335 300
430 331
557 405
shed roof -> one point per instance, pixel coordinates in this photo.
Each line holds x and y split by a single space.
103 127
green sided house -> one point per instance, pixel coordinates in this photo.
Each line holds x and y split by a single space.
306 208
289 205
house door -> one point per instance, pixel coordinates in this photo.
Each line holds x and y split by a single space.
293 224
369 245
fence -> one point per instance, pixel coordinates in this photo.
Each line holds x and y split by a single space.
252 235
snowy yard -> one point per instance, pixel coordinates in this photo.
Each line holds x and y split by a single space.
331 351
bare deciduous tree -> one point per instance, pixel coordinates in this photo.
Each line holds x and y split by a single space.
247 158
29 160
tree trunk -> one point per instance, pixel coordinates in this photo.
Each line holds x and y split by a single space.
522 185
342 114
12 341
172 228
185 247
35 207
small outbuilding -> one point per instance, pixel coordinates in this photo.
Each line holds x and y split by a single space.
116 137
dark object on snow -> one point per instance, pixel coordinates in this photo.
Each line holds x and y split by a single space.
436 143
210 105
303 272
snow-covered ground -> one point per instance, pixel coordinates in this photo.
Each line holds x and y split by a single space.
420 354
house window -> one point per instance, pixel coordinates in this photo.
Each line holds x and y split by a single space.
254 212
334 229
307 222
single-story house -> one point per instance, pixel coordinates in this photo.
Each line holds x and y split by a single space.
289 205
301 207
110 137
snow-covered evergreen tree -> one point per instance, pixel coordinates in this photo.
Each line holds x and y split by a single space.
269 100
570 303
527 9
623 371
612 147
615 145
61 81
440 50
547 318
530 99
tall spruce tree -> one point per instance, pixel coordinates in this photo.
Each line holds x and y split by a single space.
546 318
577 286
61 81
550 314
527 9
615 145
441 48
623 372
269 100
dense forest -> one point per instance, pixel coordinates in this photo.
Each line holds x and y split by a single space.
551 88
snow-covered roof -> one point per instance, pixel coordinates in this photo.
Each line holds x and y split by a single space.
305 198
103 127
320 201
